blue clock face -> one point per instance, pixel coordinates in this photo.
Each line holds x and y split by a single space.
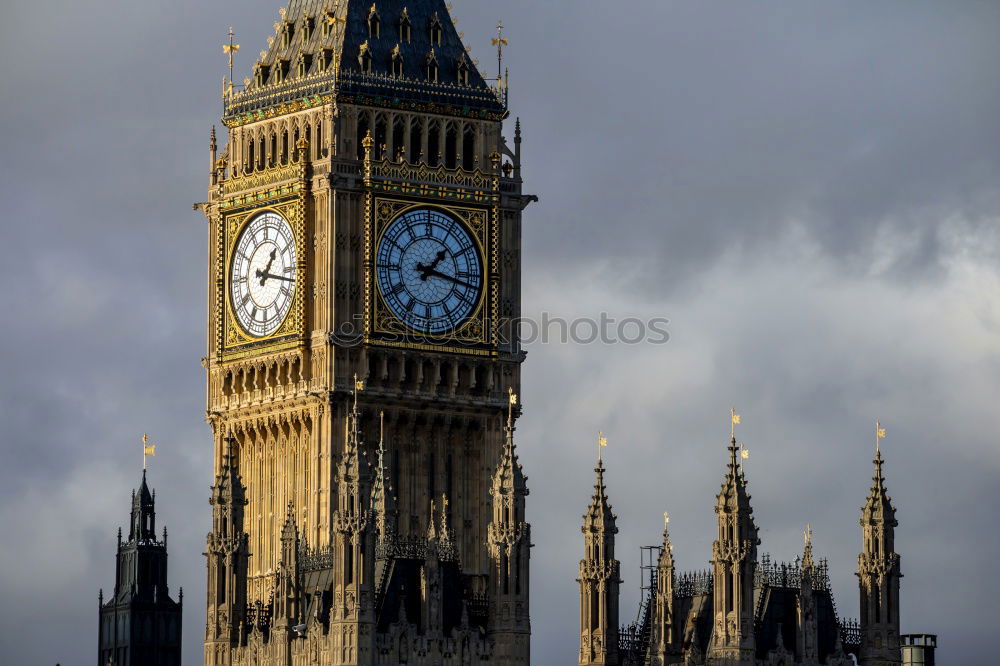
429 271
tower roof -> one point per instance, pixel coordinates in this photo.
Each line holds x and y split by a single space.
143 495
599 516
228 485
365 49
879 506
733 496
509 478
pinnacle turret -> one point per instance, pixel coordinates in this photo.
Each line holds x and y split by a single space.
599 516
599 580
878 506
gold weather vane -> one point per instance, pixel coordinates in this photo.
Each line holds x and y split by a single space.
879 436
230 49
500 42
359 385
511 404
736 419
147 450
602 442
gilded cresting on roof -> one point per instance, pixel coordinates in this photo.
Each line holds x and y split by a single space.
315 57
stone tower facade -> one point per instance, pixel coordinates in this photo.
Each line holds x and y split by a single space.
599 580
734 561
662 629
746 609
140 624
364 218
228 554
878 576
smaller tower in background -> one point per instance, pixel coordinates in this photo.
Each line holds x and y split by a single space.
663 625
510 553
599 580
879 572
140 624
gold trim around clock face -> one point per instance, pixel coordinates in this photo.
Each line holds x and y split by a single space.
235 338
384 326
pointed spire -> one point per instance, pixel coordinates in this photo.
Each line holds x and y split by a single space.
289 532
143 527
432 523
733 495
383 497
879 506
599 513
509 479
667 549
807 555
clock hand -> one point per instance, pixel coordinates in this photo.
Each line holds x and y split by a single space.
449 278
264 275
425 271
440 257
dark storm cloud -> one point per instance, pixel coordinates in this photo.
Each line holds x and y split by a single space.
810 195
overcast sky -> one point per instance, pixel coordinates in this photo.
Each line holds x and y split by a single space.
809 191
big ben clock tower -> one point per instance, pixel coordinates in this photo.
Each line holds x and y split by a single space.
363 363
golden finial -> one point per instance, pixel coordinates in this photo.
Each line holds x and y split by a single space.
500 42
879 436
359 385
511 404
231 49
147 450
808 534
602 442
666 519
736 419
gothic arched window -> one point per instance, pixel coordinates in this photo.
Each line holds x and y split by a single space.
437 32
397 62
463 71
365 58
405 27
374 23
432 67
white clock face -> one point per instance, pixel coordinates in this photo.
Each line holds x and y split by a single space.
263 273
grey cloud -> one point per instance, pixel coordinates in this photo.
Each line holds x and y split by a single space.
811 197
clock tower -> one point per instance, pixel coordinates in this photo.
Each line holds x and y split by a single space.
364 226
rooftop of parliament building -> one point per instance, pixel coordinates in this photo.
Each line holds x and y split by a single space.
745 609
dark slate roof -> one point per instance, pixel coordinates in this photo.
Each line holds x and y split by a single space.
778 612
330 57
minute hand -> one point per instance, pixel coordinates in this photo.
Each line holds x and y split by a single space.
263 275
449 278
